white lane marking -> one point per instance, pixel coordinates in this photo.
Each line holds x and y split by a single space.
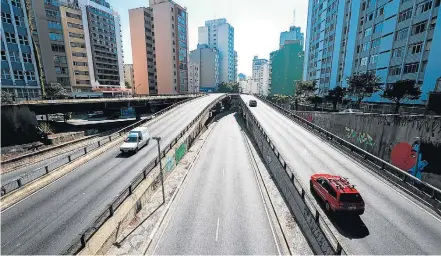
223 172
217 229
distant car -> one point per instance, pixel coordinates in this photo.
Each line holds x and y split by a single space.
337 194
351 110
252 103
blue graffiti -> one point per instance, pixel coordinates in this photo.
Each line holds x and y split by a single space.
417 170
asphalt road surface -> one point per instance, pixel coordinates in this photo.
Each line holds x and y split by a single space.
47 221
393 223
219 209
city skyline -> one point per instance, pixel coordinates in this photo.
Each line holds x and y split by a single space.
256 30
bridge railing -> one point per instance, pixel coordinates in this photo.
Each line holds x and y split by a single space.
308 216
81 239
427 193
31 176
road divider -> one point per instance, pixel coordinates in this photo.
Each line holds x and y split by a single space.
306 213
100 235
29 177
424 192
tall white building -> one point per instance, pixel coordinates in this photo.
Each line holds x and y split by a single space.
193 77
261 75
220 35
248 85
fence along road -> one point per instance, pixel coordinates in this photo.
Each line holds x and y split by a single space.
47 221
219 210
393 223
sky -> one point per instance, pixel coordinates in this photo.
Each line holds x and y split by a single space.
257 23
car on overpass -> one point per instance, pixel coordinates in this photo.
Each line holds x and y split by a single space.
337 194
252 103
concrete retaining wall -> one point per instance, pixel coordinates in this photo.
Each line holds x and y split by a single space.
390 137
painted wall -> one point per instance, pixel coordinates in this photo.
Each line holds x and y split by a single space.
390 137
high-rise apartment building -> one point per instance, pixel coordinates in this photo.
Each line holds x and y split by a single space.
19 73
129 76
208 60
103 43
76 53
286 67
292 35
261 75
143 51
193 78
241 77
220 35
391 38
171 45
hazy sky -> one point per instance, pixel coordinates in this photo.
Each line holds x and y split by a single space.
257 23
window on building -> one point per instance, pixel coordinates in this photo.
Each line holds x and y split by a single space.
79 54
27 57
366 46
57 47
16 3
76 35
432 23
14 56
397 52
363 61
23 40
6 17
419 27
437 2
395 70
80 63
428 45
10 37
374 59
376 43
405 15
56 36
415 48
73 15
363 6
60 70
19 21
52 2
63 80
424 7
52 13
378 27
423 66
368 32
380 11
4 55
54 25
6 74
18 74
411 67
60 59
401 34
30 75
370 16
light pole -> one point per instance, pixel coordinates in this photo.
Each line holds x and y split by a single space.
136 86
158 139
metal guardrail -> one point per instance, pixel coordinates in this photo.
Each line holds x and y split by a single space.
82 239
424 191
81 151
314 219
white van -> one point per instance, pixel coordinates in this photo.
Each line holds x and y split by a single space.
136 139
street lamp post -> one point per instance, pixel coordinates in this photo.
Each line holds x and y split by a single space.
158 139
136 86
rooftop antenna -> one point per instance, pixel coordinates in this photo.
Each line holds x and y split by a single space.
293 17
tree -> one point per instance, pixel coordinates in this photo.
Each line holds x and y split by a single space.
401 89
55 91
363 85
303 91
235 88
7 97
127 85
230 87
336 95
223 87
315 99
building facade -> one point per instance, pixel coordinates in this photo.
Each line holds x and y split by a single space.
260 75
286 67
193 78
241 77
208 60
249 86
77 62
393 39
291 35
129 77
171 45
220 35
19 73
103 44
143 51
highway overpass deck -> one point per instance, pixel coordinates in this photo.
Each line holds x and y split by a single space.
393 222
47 221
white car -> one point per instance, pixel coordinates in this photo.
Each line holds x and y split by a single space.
136 139
351 110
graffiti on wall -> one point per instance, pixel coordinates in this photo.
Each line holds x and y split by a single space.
404 156
359 137
180 152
